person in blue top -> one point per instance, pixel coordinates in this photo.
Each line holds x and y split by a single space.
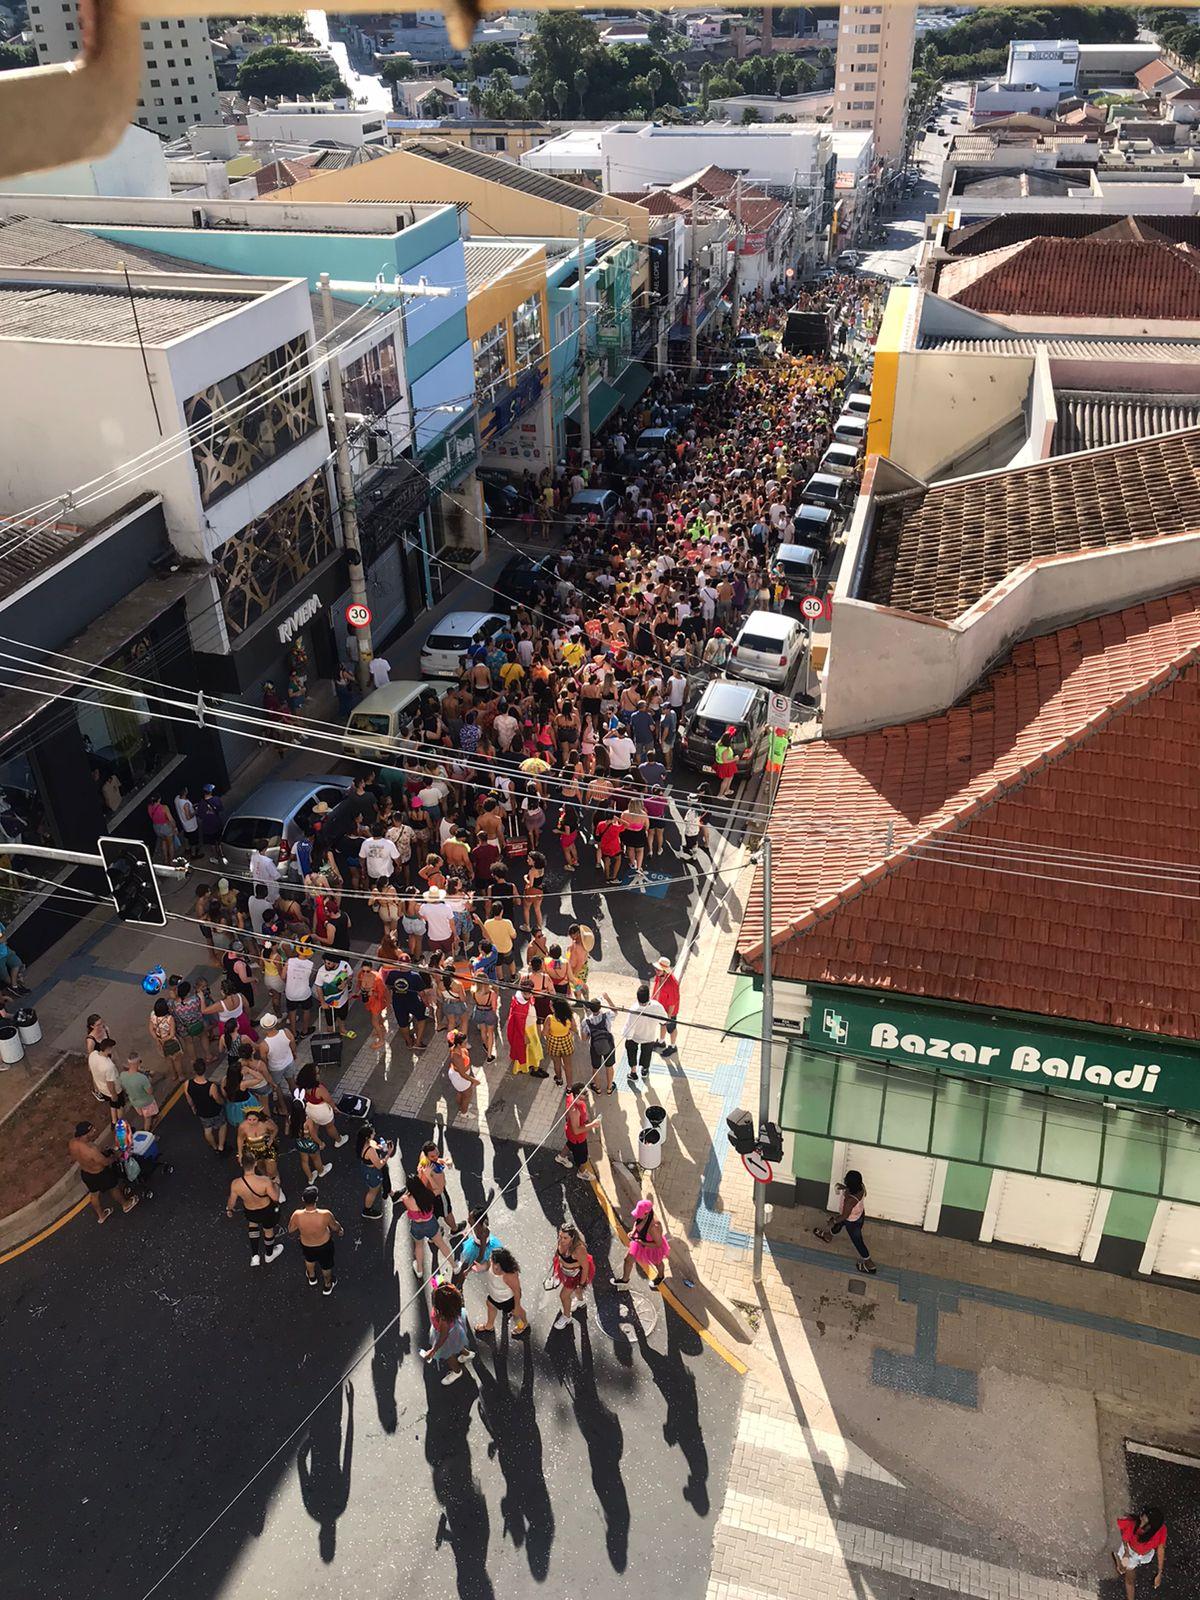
477 1248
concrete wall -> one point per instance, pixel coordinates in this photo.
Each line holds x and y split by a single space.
946 404
287 215
342 127
135 166
637 154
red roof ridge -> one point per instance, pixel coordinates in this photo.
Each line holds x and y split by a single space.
975 805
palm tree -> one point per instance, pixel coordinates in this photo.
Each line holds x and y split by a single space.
535 105
654 78
475 99
560 94
580 81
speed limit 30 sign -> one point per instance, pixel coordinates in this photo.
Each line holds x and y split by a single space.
358 615
813 607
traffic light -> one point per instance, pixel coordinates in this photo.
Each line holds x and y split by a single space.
131 881
741 1131
770 1142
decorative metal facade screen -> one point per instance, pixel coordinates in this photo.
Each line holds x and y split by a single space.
244 421
257 567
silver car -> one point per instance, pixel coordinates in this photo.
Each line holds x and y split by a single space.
277 811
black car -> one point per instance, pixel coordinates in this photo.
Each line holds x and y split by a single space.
501 498
521 579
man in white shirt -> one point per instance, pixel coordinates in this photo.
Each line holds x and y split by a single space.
438 918
189 823
676 690
381 671
378 855
642 1027
263 870
106 1080
297 991
506 728
621 750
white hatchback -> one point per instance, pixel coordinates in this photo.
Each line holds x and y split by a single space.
767 648
444 653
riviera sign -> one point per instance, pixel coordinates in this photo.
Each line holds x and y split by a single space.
976 1044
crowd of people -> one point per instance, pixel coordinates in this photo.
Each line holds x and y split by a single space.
548 762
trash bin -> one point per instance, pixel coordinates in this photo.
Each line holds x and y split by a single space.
649 1149
656 1116
28 1026
11 1048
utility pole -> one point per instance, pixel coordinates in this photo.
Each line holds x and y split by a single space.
345 478
764 1066
737 250
585 398
693 296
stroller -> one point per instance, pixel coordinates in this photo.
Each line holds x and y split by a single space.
141 1159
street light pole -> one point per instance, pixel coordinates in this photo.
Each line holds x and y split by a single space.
737 255
585 398
693 295
764 1065
345 477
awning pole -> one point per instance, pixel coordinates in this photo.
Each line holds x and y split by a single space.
764 1064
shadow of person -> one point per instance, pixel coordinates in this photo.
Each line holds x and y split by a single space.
389 1349
516 1444
676 1382
464 1524
601 1431
323 1467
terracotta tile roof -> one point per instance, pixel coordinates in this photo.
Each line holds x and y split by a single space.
1153 72
1081 278
938 550
914 859
282 174
993 233
658 202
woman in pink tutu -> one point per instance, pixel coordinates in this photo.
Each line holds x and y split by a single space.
648 1245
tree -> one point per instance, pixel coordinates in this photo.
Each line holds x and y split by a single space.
398 70
560 94
825 59
706 78
750 114
561 44
435 105
475 99
580 81
13 56
484 59
275 70
535 105
654 82
806 76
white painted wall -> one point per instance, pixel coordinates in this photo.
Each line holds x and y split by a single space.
325 216
948 402
638 154
342 127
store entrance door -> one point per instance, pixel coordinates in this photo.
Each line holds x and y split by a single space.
1045 1214
1173 1247
901 1187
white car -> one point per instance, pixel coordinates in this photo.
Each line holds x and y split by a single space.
767 647
444 653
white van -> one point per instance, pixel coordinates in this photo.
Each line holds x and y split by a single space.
839 461
851 430
385 715
767 648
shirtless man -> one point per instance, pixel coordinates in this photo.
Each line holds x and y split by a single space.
259 1197
101 1173
316 1228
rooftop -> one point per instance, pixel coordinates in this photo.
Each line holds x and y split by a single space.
1070 348
941 883
1111 277
1089 421
993 233
496 170
937 551
487 262
103 311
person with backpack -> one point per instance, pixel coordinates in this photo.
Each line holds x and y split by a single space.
596 1027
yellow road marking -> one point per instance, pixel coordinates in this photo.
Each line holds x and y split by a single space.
671 1299
80 1205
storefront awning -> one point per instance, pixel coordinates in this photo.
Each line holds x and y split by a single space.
603 401
935 1113
633 383
744 1016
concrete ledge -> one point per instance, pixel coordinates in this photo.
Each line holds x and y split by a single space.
40 1213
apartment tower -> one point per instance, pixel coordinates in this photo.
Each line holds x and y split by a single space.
872 74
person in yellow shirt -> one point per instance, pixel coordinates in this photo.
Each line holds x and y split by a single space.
573 653
511 672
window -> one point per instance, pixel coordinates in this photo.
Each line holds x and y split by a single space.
191 80
228 449
372 383
156 83
174 83
145 27
162 122
195 101
170 63
164 25
491 363
527 333
178 101
187 61
158 100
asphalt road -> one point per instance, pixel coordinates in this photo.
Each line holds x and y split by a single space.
903 232
156 1390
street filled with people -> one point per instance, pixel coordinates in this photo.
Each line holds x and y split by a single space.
423 908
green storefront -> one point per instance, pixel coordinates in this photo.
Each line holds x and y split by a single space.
1001 1127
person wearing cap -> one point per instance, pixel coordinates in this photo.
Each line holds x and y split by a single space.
277 1051
648 1247
664 987
332 986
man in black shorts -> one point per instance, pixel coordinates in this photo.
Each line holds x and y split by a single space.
316 1228
101 1173
408 1001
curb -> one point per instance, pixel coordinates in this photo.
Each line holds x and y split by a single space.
21 1226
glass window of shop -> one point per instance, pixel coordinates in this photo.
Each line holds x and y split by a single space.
372 383
126 745
491 363
527 333
23 817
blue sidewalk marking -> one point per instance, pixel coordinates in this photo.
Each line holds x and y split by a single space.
920 1373
655 884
